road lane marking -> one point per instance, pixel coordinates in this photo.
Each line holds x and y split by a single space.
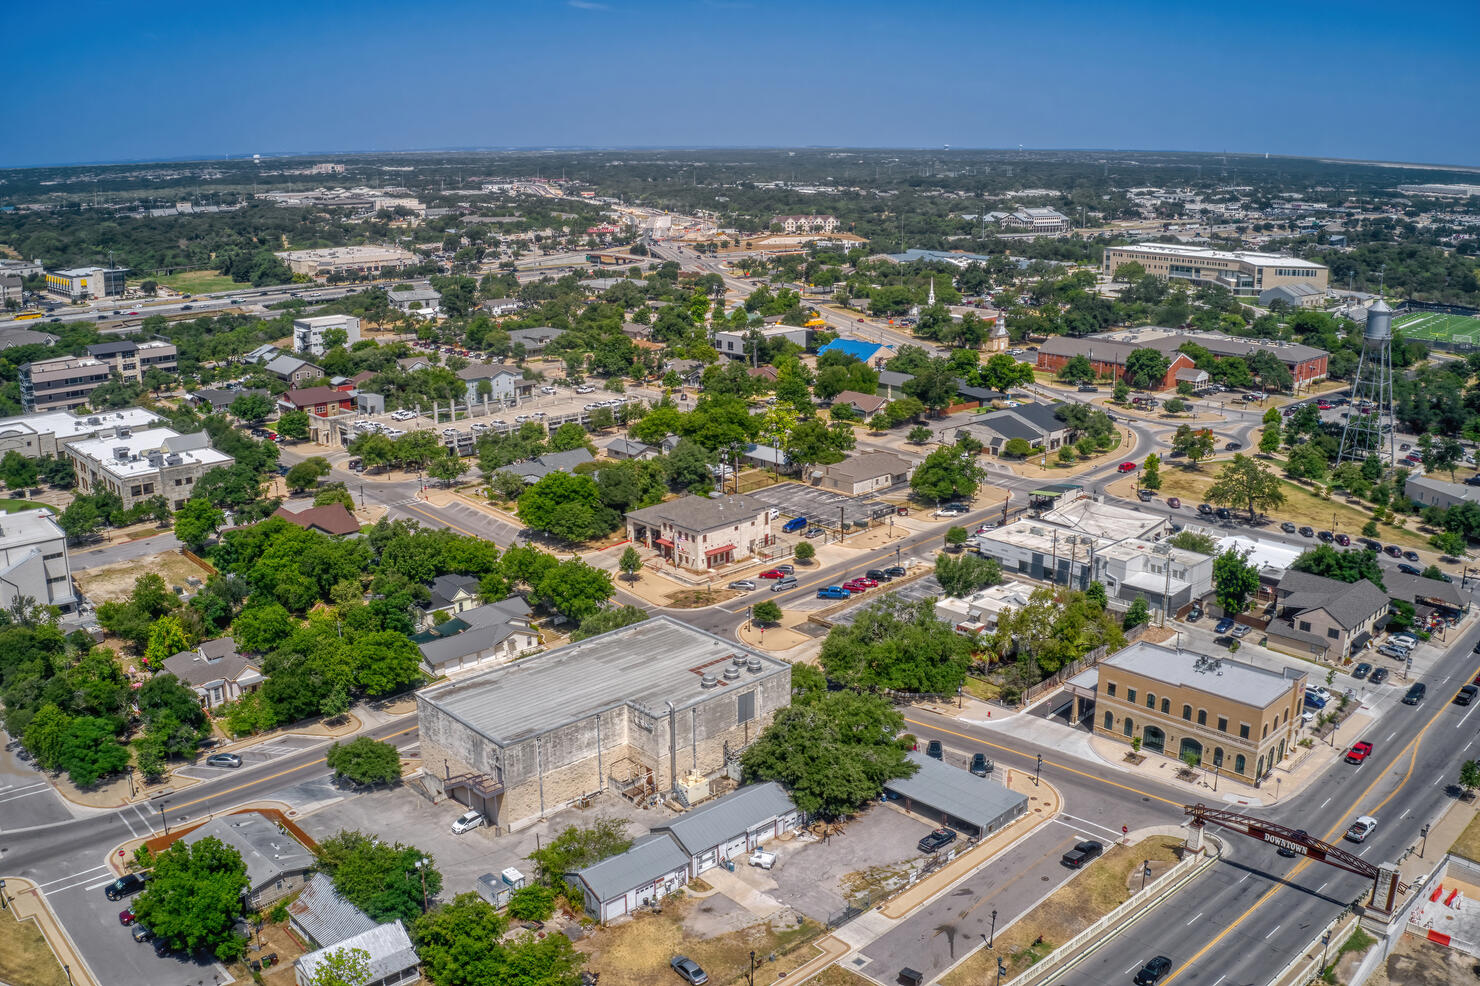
1085 821
1405 814
1271 932
95 886
1412 751
1464 717
1325 803
1390 736
1047 763
1189 923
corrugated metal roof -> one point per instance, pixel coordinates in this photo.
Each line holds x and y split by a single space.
710 824
650 857
388 946
644 665
326 917
955 792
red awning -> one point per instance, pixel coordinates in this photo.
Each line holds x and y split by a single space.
663 541
718 551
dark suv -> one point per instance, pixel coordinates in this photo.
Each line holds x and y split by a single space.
1415 694
125 886
878 575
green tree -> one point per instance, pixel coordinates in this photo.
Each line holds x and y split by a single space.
1234 581
306 473
1151 472
766 613
1095 593
563 504
1016 448
293 424
1449 543
365 761
578 847
380 878
251 407
956 536
933 385
918 435
1247 483
166 638
1145 369
1269 439
1196 444
194 897
18 471
1469 777
261 626
462 943
946 474
344 966
1306 462
1078 369
446 468
630 563
1122 392
574 589
607 620
834 753
1188 540
1138 614
804 552
1343 566
1175 405
961 576
532 903
387 662
898 645
196 521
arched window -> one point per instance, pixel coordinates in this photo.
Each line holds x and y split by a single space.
1109 720
1218 755
1239 763
1166 706
1150 701
1261 768
1266 731
1187 712
1202 717
1129 726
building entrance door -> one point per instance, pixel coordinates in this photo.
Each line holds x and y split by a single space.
1153 739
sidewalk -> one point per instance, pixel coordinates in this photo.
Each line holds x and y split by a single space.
29 904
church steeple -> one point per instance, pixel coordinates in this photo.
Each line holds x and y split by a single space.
931 299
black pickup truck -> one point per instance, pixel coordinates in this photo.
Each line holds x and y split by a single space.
1082 854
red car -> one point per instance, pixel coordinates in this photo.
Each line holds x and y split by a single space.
1126 467
773 574
126 917
865 582
854 587
1359 752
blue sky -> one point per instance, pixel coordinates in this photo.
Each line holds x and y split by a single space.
182 80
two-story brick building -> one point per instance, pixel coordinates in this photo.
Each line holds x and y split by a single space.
1237 716
700 532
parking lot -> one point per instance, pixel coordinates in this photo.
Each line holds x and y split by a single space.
822 506
910 592
812 876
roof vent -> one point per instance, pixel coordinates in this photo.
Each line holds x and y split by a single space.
754 665
94 421
120 452
708 680
737 660
124 432
732 673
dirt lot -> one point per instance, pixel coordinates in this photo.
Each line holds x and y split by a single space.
1101 888
113 583
636 952
1418 962
275 940
25 958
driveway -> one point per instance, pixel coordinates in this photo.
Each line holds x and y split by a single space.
809 874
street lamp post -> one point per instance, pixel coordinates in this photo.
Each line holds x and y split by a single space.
163 819
1424 832
750 977
1145 872
4 903
992 938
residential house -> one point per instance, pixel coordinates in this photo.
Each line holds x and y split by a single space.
449 595
478 636
277 865
498 307
534 340
292 370
321 917
689 371
701 533
863 405
533 470
332 519
219 400
1325 618
867 472
504 384
627 448
982 610
216 671
1036 424
323 401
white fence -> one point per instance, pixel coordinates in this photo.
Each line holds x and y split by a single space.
1081 945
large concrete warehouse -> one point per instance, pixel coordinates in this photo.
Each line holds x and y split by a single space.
647 710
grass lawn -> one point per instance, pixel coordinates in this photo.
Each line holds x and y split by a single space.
636 952
1468 843
16 506
980 688
836 975
25 958
1104 885
1302 506
198 282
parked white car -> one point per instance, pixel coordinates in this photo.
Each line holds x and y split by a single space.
765 860
466 822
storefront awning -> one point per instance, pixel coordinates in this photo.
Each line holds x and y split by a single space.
718 551
663 541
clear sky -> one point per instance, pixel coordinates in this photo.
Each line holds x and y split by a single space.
111 81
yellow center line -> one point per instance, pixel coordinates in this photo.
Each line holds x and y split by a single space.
270 777
1050 763
1411 751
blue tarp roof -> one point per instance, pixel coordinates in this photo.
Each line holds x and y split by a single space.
856 348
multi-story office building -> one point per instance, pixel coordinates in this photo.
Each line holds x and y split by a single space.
79 283
806 224
1243 272
61 384
1044 222
1236 716
138 465
308 333
39 435
33 561
347 260
131 360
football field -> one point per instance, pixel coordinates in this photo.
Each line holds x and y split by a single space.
1439 327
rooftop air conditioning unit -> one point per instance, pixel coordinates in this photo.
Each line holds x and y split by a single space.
121 453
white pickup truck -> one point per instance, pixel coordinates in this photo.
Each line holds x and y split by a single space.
765 860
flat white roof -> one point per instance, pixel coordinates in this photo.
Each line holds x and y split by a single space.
65 425
139 445
1137 548
1038 535
1270 556
1247 256
28 527
1103 519
1222 676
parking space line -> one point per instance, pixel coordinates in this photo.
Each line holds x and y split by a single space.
103 884
69 876
1083 821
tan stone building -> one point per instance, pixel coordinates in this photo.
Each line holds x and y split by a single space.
651 710
700 533
1325 618
1237 716
1244 272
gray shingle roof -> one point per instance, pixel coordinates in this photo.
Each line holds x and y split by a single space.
326 917
538 468
869 465
723 818
444 588
702 513
268 852
1349 604
650 857
957 793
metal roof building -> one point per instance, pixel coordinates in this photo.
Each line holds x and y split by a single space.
975 805
392 960
323 917
653 868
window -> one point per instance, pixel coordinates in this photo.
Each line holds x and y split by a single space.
1150 700
1243 730
1166 706
1110 689
1305 625
1202 717
1109 720
1129 726
1187 712
1222 724
1333 633
1238 764
1130 695
1218 756
1265 734
746 707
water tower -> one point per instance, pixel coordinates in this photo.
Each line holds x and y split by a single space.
1369 427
